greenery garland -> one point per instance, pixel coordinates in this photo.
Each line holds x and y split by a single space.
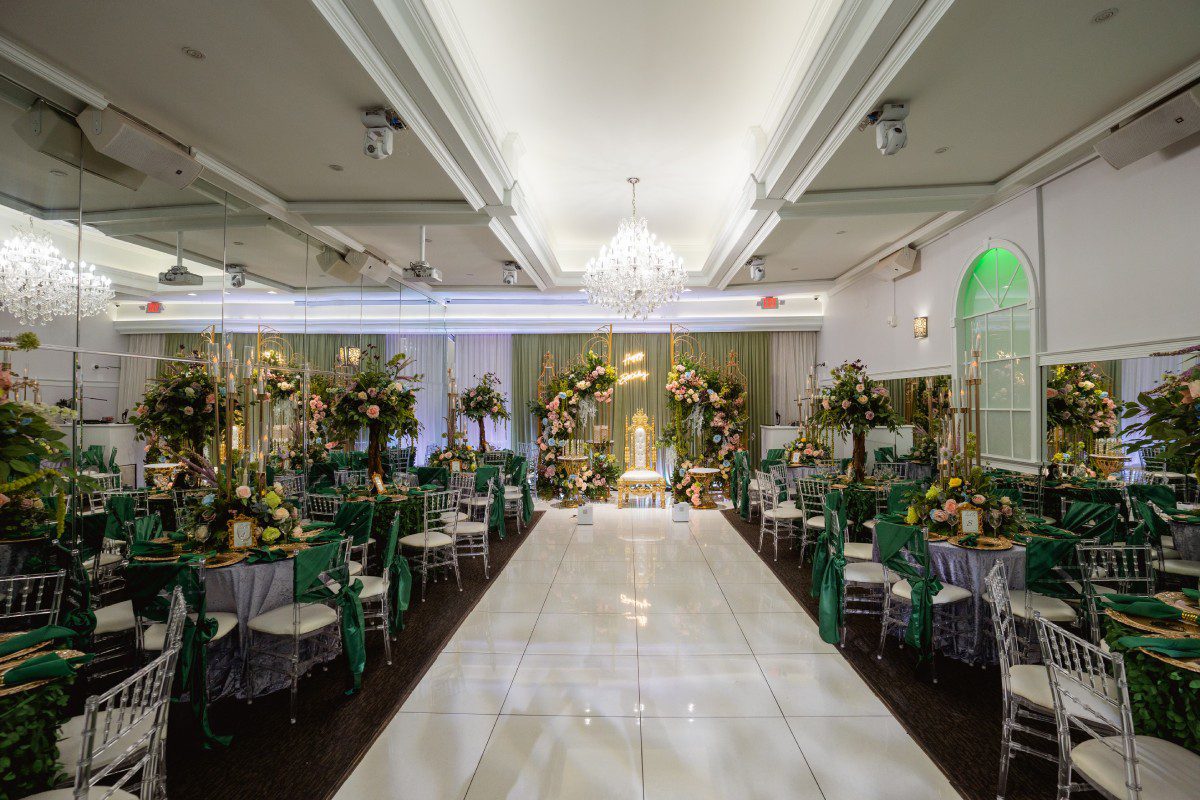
28 440
706 421
568 396
29 738
1165 699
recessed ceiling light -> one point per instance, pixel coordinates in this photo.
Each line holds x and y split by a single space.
839 233
336 167
794 269
272 291
942 149
191 294
1105 15
192 52
238 244
469 274
58 173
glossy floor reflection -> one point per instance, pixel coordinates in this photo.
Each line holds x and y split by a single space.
640 658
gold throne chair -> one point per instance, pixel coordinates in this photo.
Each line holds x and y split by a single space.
640 478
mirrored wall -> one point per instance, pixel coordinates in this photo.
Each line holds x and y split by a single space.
178 336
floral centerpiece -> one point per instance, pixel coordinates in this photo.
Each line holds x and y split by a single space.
29 440
178 415
280 381
485 401
208 517
570 403
804 451
707 420
939 507
380 399
854 404
457 449
1168 415
1077 400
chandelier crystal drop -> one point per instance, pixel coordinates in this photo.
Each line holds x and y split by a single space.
38 284
636 273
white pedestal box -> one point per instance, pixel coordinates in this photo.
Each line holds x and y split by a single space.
584 514
680 511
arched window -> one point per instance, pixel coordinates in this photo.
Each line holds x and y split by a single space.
994 318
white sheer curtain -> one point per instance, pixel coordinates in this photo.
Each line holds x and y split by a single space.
135 373
792 354
476 354
1142 374
428 352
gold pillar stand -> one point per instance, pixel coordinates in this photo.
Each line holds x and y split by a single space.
572 465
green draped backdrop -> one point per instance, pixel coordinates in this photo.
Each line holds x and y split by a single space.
754 358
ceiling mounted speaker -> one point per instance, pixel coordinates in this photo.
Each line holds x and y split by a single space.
1175 119
333 265
895 265
120 138
369 266
56 135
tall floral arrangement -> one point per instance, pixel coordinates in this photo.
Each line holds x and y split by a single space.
570 402
382 399
853 405
485 401
707 421
1168 415
1076 399
29 440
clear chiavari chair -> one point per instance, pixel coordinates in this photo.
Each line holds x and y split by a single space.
471 536
1116 568
777 520
1032 494
31 600
1091 696
323 507
1027 703
811 503
462 484
435 541
779 472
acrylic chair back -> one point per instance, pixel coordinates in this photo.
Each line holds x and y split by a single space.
30 601
812 497
1121 567
436 505
1008 643
768 490
125 727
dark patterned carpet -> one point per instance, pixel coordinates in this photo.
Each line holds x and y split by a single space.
956 721
270 757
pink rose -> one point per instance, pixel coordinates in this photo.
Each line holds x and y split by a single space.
978 499
845 404
3 499
870 415
951 506
243 492
858 388
939 516
1006 511
373 411
1051 393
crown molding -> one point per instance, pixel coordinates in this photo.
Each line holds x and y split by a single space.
36 65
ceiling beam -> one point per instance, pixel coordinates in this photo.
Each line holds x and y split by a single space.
376 213
862 202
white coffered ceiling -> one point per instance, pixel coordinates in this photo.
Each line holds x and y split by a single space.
525 117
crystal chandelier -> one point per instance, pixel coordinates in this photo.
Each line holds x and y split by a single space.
635 273
38 284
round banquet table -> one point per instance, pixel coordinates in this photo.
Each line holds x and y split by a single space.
967 569
1186 536
249 590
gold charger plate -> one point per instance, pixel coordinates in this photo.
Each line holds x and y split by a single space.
7 691
156 559
25 539
1167 628
983 542
1190 664
291 548
227 559
936 537
1179 600
162 540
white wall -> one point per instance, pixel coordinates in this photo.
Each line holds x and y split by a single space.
1120 268
53 368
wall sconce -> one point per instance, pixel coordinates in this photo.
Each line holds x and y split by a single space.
920 327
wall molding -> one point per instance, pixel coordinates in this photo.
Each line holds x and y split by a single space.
1115 352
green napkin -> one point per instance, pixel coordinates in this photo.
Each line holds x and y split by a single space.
153 549
1138 606
969 540
1174 648
47 666
1191 594
37 636
262 555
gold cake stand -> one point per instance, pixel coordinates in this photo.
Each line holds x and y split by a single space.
704 477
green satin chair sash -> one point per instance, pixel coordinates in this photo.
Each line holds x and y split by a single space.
898 493
1160 494
885 455
1102 516
147 528
438 475
482 476
309 587
1151 527
776 453
519 475
399 577
354 519
76 612
119 510
895 541
742 458
1044 556
829 569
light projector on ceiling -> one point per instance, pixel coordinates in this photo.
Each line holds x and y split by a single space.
178 275
422 270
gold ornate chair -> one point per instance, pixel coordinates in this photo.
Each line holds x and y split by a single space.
640 478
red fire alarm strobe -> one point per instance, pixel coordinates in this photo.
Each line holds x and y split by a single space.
769 303
153 307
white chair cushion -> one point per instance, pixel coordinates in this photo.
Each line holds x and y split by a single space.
1166 770
783 512
114 542
949 593
787 504
512 493
1187 506
94 793
152 639
641 476
114 618
1167 555
1051 608
1180 567
436 539
278 621
472 527
107 559
816 522
451 516
478 502
355 567
869 524
372 586
1032 682
861 551
70 741
1167 542
865 572
753 485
